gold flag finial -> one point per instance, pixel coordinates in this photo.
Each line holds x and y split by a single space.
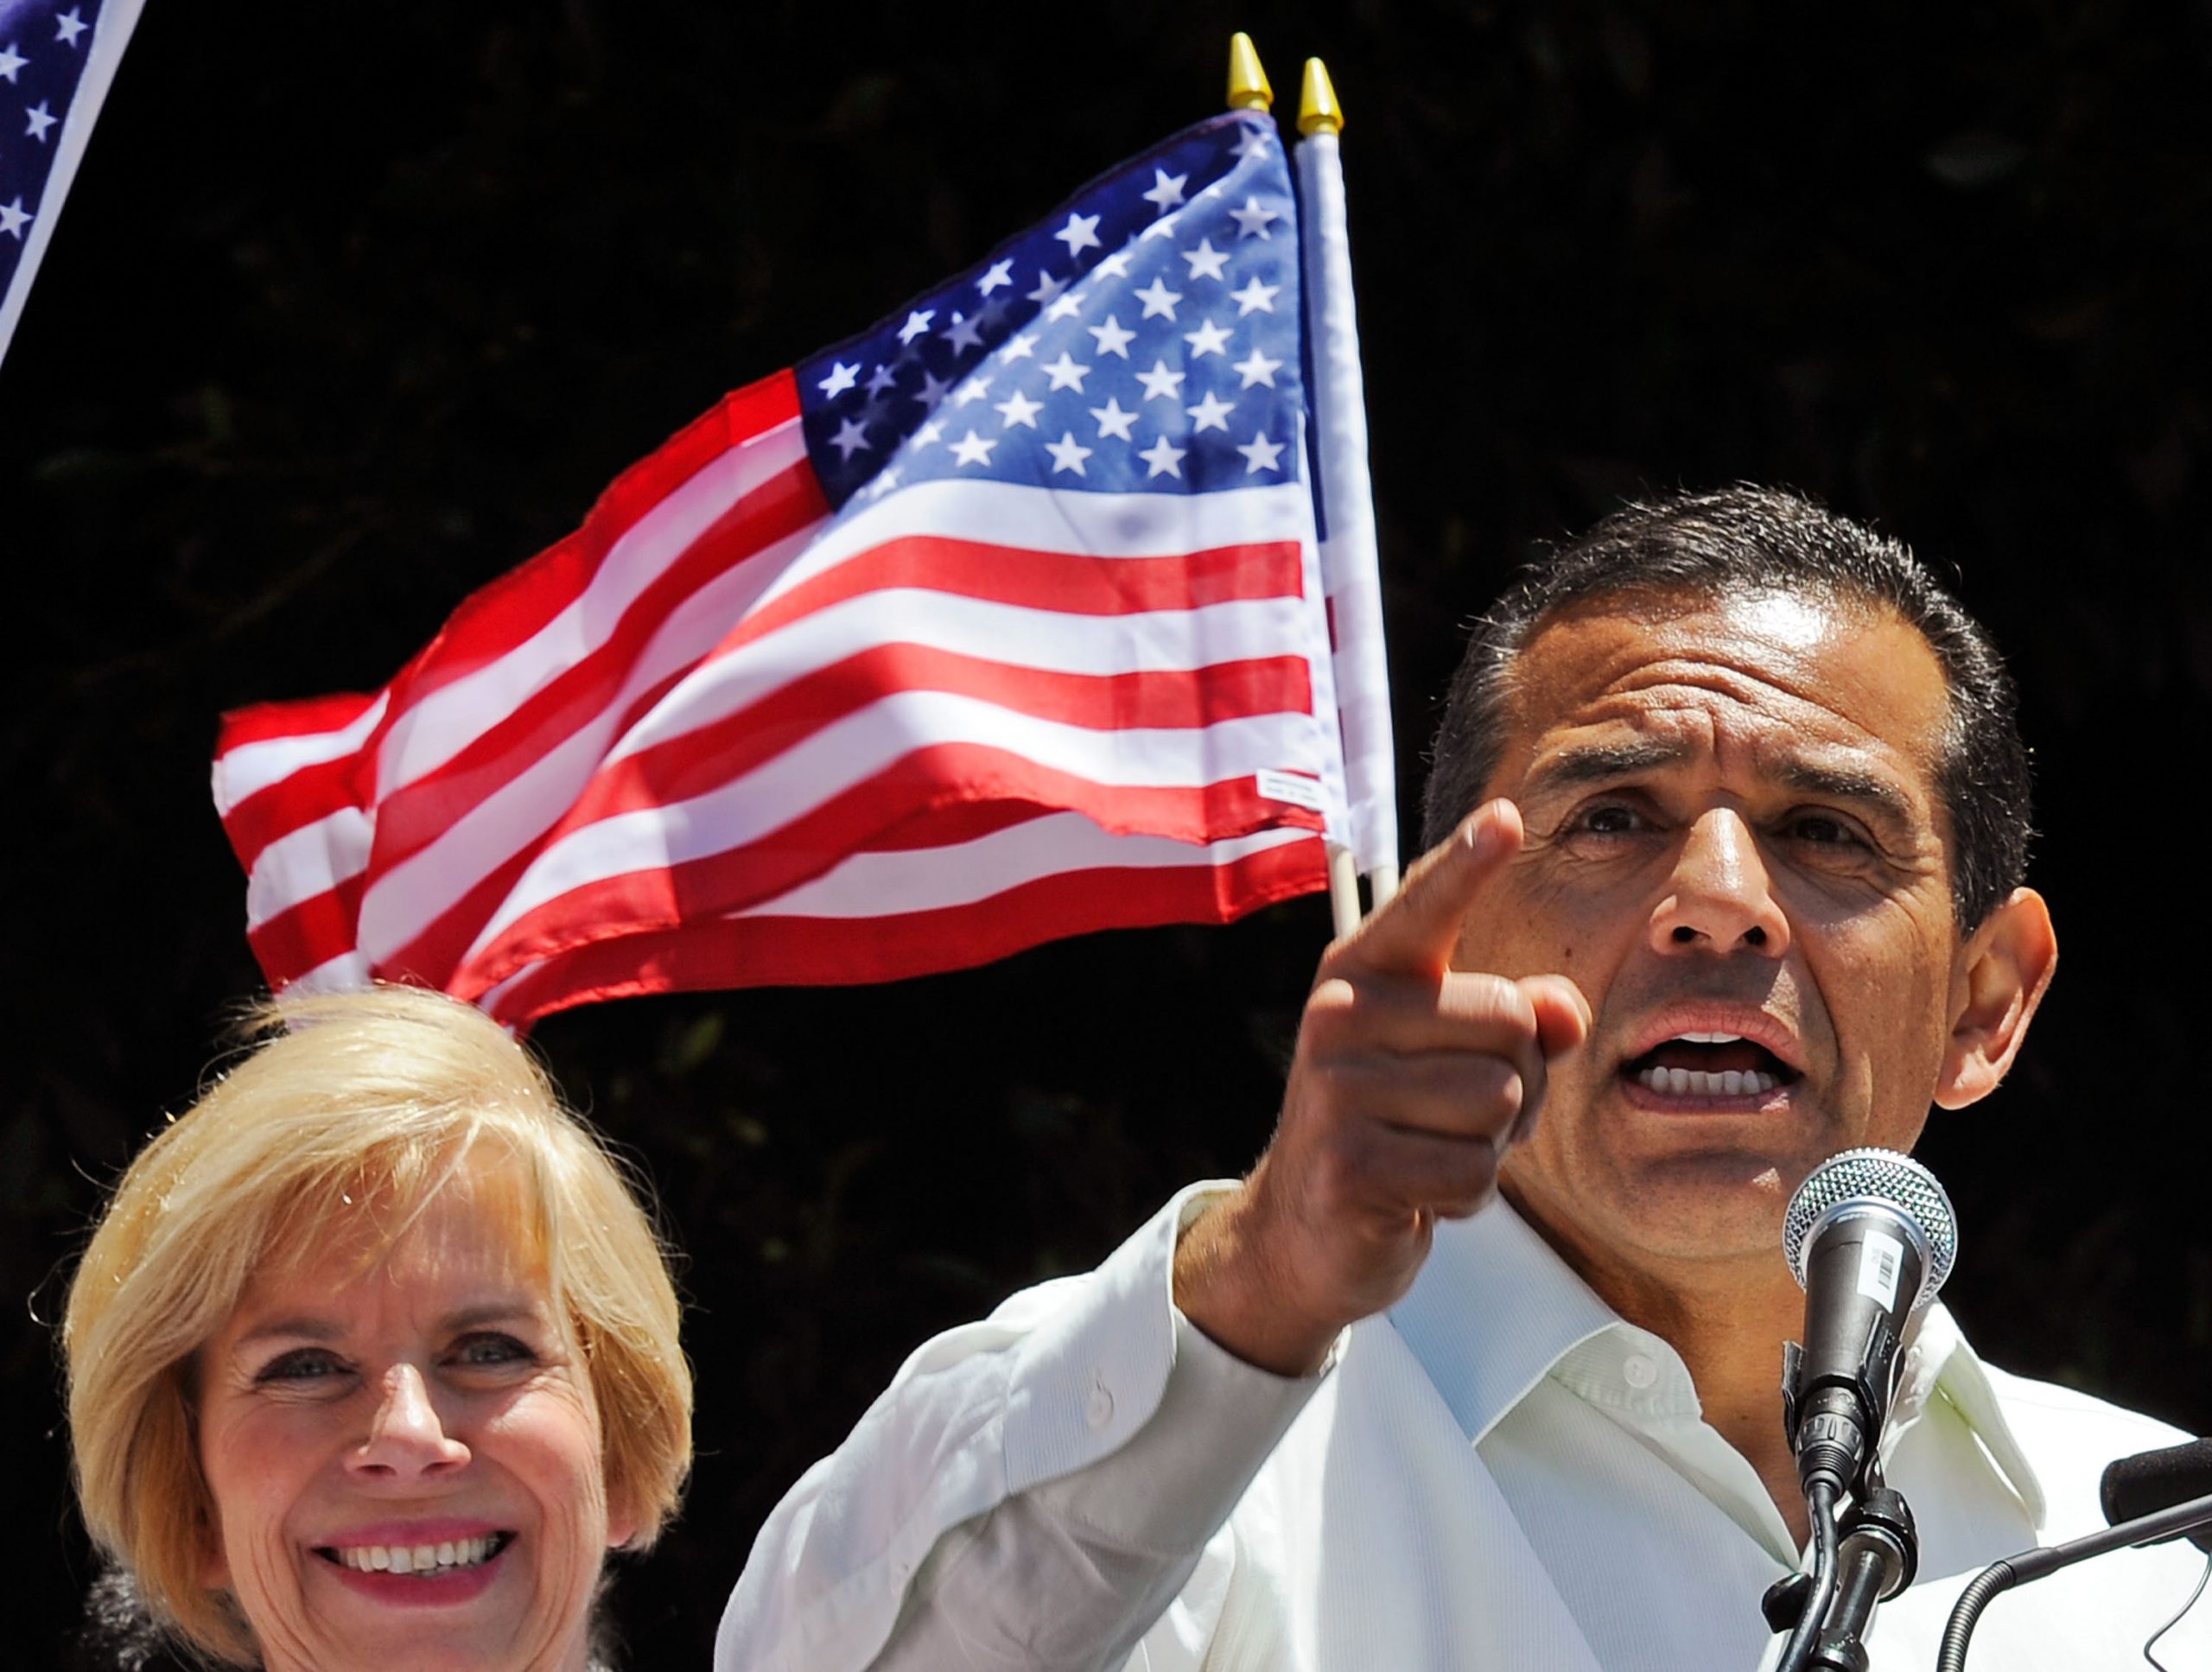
1317 109
1248 82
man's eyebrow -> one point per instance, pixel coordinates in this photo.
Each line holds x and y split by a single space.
1601 762
1843 784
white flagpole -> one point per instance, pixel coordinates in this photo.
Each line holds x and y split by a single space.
1249 91
1349 563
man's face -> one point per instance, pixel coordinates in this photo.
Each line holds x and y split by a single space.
1734 847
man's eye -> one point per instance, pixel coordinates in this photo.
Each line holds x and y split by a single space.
1824 830
1610 818
302 1365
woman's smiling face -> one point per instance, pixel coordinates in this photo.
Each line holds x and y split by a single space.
404 1453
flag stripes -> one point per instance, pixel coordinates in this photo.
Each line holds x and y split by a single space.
861 674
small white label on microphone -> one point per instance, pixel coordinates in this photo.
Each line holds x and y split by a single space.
1881 1256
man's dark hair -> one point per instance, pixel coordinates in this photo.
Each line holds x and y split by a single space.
1744 540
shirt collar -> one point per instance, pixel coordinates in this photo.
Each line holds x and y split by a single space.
1535 1313
1939 1364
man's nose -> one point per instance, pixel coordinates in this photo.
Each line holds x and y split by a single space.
406 1438
1718 899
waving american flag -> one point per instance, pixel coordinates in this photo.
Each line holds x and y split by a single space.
57 59
999 621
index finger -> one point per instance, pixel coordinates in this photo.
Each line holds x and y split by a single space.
1417 929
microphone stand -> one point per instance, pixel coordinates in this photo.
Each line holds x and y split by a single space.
2044 1560
1878 1554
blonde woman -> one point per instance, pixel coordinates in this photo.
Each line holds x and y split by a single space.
373 1358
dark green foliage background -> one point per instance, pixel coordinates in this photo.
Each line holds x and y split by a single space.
355 306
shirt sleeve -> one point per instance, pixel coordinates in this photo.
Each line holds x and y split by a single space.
1031 1490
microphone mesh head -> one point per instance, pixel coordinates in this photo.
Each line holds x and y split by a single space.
1876 1175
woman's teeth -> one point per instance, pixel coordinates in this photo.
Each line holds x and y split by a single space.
1697 1083
421 1558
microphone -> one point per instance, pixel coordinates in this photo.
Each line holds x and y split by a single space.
1870 1236
2150 1481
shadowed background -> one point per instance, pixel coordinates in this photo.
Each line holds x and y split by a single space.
355 306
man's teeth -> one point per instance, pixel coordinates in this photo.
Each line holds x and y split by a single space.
1709 1039
1696 1082
420 1558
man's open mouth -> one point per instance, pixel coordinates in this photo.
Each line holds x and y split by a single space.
1709 1065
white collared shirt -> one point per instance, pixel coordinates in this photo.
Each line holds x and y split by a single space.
1498 1473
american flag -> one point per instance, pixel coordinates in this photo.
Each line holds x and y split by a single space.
998 622
56 61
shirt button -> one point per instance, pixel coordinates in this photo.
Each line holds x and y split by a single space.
1640 1371
1098 1409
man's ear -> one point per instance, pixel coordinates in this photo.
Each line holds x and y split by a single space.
1998 980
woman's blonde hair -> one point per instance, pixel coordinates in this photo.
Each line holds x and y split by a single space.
356 1109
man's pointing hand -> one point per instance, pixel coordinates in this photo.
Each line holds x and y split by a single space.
1410 1079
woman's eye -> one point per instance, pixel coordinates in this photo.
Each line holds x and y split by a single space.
302 1364
493 1348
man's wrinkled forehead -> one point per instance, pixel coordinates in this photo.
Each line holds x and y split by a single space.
1636 680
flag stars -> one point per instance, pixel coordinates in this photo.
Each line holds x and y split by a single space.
1252 219
11 62
972 448
886 479
1255 297
1261 454
1258 369
1019 409
1067 308
1019 347
971 392
40 121
1206 261
1068 454
1115 266
929 434
934 389
1166 190
999 273
964 333
1208 339
1048 288
841 377
1080 234
1158 300
1113 337
1255 141
68 27
1065 374
1161 384
13 219
917 322
880 380
1164 227
1112 421
851 438
1165 459
1211 413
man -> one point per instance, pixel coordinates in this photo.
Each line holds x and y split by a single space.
1743 890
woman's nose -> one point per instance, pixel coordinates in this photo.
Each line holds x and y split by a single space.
406 1438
